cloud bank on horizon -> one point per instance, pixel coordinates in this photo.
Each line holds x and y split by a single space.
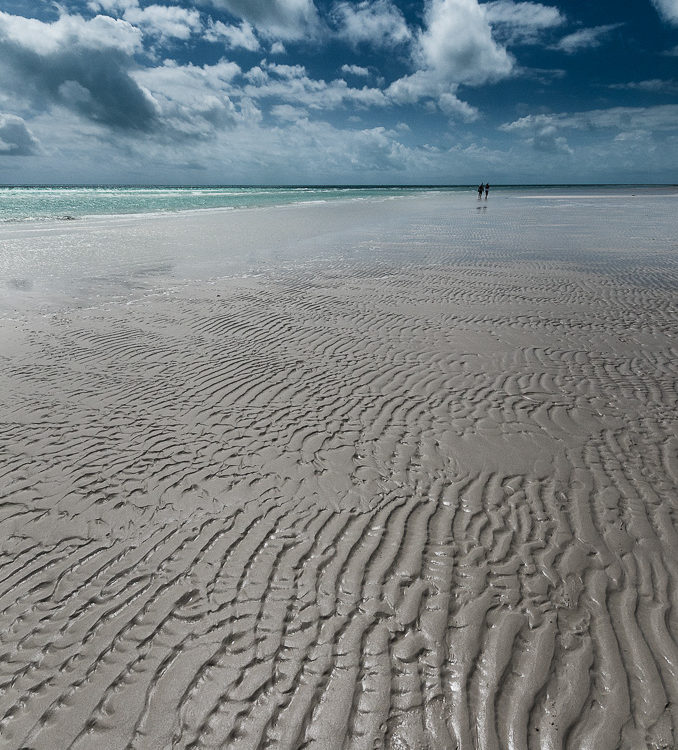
338 91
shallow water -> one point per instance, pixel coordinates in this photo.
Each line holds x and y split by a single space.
69 202
66 203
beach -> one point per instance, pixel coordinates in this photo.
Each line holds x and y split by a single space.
388 473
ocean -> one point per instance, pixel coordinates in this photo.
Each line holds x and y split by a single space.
54 202
66 202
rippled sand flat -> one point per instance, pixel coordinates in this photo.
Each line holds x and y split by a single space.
406 488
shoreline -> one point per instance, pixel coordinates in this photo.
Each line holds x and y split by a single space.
416 191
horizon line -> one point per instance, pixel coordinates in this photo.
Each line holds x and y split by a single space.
355 186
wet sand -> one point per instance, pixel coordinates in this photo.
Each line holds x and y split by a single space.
406 487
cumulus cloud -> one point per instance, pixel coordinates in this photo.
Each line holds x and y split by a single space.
521 22
281 19
454 107
82 64
585 38
101 32
233 36
376 22
201 100
197 100
457 44
164 21
292 84
455 47
668 10
15 137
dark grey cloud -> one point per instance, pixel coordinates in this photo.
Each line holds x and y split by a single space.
77 64
15 137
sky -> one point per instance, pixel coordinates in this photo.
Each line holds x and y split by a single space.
338 91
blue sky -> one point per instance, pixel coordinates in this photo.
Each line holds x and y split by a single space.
335 91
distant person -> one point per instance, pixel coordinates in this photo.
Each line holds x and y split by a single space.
487 189
480 190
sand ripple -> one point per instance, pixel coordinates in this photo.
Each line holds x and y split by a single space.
410 506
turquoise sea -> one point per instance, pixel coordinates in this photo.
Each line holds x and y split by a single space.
50 202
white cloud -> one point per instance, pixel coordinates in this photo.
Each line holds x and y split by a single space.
653 85
585 38
257 76
454 107
15 137
278 48
188 83
112 6
457 44
543 131
412 88
172 76
202 100
100 32
278 19
376 22
291 84
624 125
455 47
300 150
233 36
196 100
635 137
296 149
285 71
355 70
668 9
534 15
164 21
288 113
521 22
